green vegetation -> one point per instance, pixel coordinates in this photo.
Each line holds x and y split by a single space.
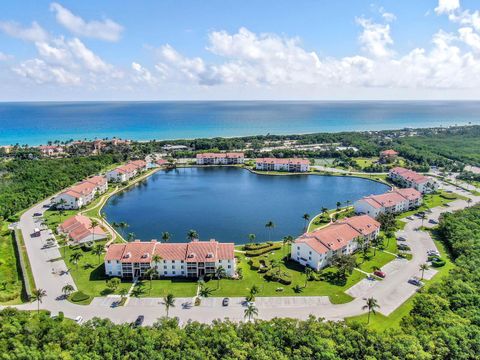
10 272
440 198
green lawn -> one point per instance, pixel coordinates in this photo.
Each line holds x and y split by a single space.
270 288
89 273
440 198
372 262
365 162
381 323
162 287
11 292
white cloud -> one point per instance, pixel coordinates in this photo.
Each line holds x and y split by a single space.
4 57
33 33
447 6
469 37
375 38
106 29
40 72
89 59
141 74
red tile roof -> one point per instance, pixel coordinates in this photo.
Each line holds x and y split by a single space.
86 187
293 161
389 152
392 198
410 175
336 236
195 251
409 193
78 227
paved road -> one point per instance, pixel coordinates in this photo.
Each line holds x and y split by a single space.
390 292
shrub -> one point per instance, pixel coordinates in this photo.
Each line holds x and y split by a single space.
272 247
257 246
79 296
275 275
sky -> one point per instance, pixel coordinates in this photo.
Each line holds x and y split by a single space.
239 50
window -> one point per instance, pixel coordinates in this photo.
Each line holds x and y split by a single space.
229 266
108 261
183 272
173 272
173 266
309 258
110 273
165 267
309 253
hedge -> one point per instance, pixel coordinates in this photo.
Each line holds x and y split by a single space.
282 278
251 253
79 296
257 246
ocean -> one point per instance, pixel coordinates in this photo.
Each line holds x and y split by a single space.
37 123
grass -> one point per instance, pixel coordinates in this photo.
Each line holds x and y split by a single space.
381 322
160 288
372 262
89 273
323 219
441 198
365 162
10 271
330 288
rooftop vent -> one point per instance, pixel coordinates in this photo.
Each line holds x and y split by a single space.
209 255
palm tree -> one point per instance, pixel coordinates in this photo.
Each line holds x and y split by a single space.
150 273
308 272
38 295
205 291
423 216
67 290
338 205
250 312
165 236
324 210
123 225
131 236
156 259
123 293
371 304
98 250
192 235
103 215
254 290
220 273
93 225
169 301
269 225
252 237
306 217
424 267
287 240
469 201
75 258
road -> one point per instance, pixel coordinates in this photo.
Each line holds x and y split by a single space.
50 273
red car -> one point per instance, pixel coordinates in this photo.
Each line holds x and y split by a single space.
379 273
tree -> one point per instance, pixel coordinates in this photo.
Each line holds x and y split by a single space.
376 242
103 215
156 259
220 273
371 304
67 290
424 267
98 250
93 225
150 274
269 226
254 290
423 216
38 295
306 217
251 237
345 264
250 312
205 291
469 201
387 222
308 272
297 289
165 236
123 294
192 235
75 258
130 236
113 284
169 301
339 204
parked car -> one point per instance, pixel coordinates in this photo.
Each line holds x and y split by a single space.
415 281
225 301
79 319
139 320
433 253
409 217
379 273
431 221
403 247
37 214
401 238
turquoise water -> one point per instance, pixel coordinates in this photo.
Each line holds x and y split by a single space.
37 123
229 203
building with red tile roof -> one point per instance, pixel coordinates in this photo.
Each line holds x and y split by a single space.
229 158
388 155
193 259
278 164
79 230
317 248
394 202
128 171
81 194
411 179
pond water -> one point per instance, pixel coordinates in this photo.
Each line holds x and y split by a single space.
227 203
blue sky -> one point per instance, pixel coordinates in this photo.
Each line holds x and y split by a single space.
310 49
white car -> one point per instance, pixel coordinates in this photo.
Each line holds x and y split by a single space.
79 319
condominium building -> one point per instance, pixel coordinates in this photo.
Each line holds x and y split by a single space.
393 202
276 164
388 155
231 158
127 171
194 259
79 230
81 194
317 248
411 179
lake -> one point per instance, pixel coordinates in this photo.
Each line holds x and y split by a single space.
227 203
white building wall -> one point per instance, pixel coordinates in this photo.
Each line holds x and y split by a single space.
362 207
113 268
71 202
